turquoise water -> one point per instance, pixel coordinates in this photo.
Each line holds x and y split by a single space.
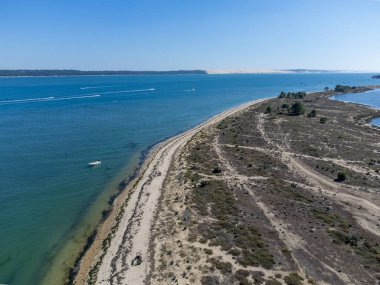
50 128
370 98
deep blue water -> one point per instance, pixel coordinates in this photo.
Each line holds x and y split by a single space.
370 98
50 128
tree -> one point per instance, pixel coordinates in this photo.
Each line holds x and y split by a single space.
282 95
285 106
312 114
217 169
268 110
297 109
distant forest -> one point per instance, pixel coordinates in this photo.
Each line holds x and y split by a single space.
43 72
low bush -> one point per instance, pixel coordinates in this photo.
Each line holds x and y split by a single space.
341 176
268 110
293 279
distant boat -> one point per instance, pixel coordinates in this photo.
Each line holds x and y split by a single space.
94 163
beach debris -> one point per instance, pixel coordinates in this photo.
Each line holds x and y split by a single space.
137 260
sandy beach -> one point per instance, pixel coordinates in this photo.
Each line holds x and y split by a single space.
127 231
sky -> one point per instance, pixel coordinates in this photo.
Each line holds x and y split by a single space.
190 34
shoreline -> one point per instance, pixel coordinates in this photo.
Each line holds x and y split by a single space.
370 88
107 228
114 220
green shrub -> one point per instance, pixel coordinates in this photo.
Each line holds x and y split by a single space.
341 176
323 120
293 279
241 275
208 251
268 110
297 109
285 106
217 169
312 114
282 95
223 267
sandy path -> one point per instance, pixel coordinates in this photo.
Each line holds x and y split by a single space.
133 230
290 239
363 209
344 163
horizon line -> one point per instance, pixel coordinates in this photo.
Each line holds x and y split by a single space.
67 72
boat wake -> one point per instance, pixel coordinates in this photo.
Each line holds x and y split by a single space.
46 99
85 96
99 87
128 91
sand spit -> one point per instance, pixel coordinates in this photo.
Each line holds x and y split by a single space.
254 199
252 196
126 233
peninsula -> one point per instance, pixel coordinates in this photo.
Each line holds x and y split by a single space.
278 191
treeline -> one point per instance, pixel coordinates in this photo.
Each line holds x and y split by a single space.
72 72
292 95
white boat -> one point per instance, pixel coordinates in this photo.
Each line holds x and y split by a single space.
93 163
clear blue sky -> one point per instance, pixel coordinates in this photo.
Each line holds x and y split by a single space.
190 34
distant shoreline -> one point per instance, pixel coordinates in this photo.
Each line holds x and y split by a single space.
61 73
9 73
